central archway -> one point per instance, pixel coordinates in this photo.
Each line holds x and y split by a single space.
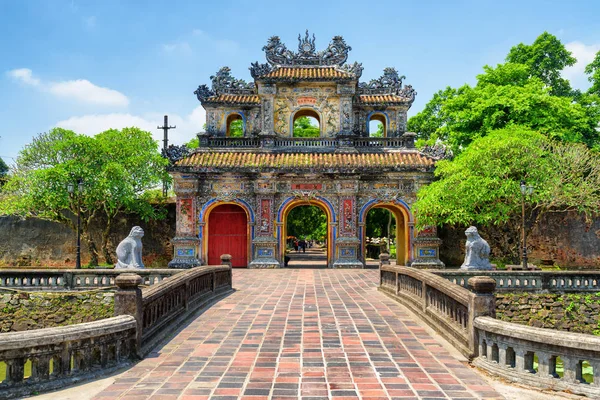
283 214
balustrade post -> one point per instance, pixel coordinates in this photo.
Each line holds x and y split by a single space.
128 301
544 364
502 354
384 259
226 259
570 373
69 280
483 303
15 370
596 366
520 360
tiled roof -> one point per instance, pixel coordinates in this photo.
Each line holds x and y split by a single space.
215 159
234 99
308 73
382 98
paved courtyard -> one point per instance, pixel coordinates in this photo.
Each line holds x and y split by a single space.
302 333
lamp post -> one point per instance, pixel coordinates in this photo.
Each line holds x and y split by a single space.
525 191
71 189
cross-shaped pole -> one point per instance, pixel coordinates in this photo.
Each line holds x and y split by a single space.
165 128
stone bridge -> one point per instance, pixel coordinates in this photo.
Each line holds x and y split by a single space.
302 333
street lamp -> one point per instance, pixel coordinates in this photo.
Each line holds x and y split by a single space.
525 191
71 189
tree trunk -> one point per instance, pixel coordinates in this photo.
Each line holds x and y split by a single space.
105 235
92 249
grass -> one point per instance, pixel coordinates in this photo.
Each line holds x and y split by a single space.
587 371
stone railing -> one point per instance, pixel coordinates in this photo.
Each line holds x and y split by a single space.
45 359
531 281
449 309
406 141
74 279
538 357
161 308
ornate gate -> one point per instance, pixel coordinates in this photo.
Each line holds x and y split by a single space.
228 234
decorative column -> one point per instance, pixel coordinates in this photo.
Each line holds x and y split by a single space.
186 241
267 99
265 241
427 245
346 93
347 243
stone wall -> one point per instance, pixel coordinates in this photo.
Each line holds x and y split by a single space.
21 311
35 242
564 239
572 312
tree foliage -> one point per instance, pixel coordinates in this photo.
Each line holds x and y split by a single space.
545 58
482 185
303 127
3 171
527 90
593 70
307 222
117 169
378 220
236 128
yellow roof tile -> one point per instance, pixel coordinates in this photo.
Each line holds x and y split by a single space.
235 99
307 73
304 160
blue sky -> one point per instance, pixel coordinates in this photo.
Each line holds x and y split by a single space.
91 65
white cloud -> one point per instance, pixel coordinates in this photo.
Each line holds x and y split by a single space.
84 90
584 54
81 89
24 75
187 126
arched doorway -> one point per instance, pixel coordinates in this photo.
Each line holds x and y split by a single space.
401 217
235 125
306 123
377 125
227 234
282 219
306 237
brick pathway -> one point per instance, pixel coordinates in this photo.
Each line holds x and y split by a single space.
309 333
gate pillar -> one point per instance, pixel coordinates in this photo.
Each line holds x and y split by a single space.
347 243
265 241
186 241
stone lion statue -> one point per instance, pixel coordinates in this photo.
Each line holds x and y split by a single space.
477 251
129 251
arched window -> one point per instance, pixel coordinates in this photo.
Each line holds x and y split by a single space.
306 123
235 125
377 125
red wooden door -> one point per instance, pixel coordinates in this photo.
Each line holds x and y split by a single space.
228 234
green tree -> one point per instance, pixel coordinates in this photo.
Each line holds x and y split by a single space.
481 185
193 144
546 57
519 92
308 222
117 167
3 171
236 128
593 70
303 127
380 132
